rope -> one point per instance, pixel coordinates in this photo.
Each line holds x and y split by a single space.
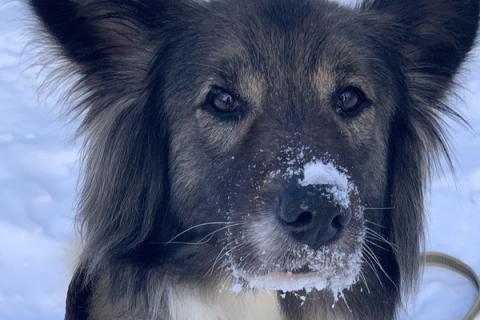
448 262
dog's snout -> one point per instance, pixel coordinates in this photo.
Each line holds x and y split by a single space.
311 215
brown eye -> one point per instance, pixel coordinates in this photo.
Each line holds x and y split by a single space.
222 101
350 101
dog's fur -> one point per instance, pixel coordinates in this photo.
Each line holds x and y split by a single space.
167 178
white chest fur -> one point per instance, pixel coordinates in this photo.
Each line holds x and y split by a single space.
196 304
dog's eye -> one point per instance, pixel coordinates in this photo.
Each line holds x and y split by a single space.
222 101
350 101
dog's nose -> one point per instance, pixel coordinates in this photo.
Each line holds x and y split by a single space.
311 215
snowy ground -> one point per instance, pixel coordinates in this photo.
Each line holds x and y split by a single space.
39 168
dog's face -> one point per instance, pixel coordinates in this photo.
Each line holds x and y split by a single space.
269 142
253 115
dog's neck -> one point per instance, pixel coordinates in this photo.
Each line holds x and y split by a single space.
200 304
183 302
195 304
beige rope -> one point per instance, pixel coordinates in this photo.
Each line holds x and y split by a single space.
448 262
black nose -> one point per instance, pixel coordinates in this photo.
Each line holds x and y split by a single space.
311 215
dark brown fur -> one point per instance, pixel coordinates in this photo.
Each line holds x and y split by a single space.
158 161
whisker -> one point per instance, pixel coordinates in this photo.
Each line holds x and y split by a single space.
373 208
223 228
370 264
346 303
196 226
362 275
375 235
247 256
376 245
375 224
206 238
217 257
184 243
377 240
375 258
224 254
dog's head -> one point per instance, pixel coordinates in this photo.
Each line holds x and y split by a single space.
271 141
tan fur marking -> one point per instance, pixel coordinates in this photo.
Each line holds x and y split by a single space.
252 86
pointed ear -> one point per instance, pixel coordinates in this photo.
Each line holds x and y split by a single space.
434 36
429 40
110 43
114 46
94 33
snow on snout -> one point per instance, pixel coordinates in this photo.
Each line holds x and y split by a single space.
319 173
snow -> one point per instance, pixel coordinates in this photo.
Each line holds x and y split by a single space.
325 273
326 278
38 174
318 172
39 169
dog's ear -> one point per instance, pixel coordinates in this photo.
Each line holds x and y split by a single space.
434 35
110 44
427 41
114 48
93 33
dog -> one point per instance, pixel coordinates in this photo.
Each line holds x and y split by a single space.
254 159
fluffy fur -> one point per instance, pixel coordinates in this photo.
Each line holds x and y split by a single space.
170 186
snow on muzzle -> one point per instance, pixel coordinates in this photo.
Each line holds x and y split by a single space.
334 267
